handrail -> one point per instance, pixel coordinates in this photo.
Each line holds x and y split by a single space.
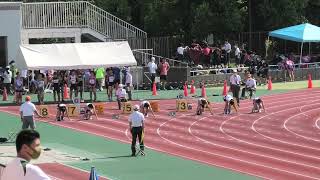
42 15
298 65
147 56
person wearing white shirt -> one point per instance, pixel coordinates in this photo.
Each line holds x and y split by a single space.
27 111
145 106
227 48
28 148
180 51
121 95
237 54
128 84
136 126
152 69
235 80
250 86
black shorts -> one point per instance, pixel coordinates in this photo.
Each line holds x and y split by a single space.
123 100
110 83
62 109
163 77
56 87
73 87
19 90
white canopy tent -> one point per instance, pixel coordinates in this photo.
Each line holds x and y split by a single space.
68 56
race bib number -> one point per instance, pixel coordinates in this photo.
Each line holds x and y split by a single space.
92 81
111 79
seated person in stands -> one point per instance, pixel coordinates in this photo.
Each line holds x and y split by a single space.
203 103
145 107
258 105
229 101
250 86
61 111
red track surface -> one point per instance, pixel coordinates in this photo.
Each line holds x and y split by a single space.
61 172
282 143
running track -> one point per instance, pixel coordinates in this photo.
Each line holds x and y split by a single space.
282 143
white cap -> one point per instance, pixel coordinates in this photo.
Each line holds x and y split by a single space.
153 59
136 107
120 86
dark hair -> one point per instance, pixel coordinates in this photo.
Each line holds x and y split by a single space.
231 102
26 137
146 105
90 106
203 103
258 101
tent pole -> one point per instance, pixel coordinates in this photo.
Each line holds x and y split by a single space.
301 53
309 48
267 44
137 83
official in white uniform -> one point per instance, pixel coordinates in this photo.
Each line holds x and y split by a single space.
28 147
251 86
27 111
136 126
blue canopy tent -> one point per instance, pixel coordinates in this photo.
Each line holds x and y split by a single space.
299 33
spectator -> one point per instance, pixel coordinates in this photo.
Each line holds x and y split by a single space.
7 75
227 48
92 86
13 70
28 148
180 52
40 88
237 55
99 77
73 84
56 87
129 84
18 85
27 110
206 55
152 69
110 77
164 68
80 80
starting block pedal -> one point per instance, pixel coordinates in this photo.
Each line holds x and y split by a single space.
172 114
115 116
189 106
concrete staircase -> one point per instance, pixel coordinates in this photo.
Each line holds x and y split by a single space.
75 19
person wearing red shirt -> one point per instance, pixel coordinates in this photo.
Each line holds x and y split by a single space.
164 68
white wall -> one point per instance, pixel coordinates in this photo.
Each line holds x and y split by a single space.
10 20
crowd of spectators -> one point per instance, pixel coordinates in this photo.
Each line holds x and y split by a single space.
76 80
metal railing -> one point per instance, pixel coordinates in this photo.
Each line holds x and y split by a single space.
297 66
143 58
77 14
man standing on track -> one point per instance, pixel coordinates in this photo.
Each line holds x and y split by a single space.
136 126
27 110
235 81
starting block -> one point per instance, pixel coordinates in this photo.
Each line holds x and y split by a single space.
155 106
189 106
99 108
44 111
172 114
115 116
182 105
127 107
